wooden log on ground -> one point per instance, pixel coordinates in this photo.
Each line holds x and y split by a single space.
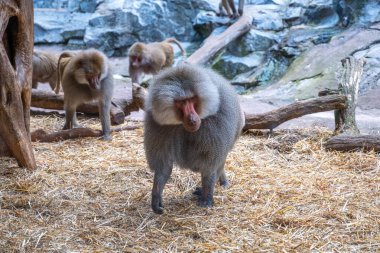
38 111
16 48
215 43
119 108
272 119
41 135
354 143
50 100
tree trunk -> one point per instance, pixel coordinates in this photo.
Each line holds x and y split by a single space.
350 77
345 122
16 32
215 43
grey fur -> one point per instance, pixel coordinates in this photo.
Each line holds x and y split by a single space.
44 68
75 93
203 151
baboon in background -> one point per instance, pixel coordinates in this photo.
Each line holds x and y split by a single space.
44 68
151 58
193 119
229 7
86 76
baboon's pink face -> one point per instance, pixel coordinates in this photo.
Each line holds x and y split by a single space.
187 113
136 61
94 80
90 73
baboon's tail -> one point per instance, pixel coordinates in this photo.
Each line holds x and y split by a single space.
173 40
63 59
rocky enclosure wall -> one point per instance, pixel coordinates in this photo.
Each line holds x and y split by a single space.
282 30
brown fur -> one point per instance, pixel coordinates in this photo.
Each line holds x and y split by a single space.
86 76
44 68
63 60
152 57
229 7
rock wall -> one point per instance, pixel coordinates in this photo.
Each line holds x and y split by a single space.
71 5
56 4
113 25
282 30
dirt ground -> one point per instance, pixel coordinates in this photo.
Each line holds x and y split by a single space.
287 194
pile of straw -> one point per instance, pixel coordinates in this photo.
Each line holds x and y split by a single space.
287 194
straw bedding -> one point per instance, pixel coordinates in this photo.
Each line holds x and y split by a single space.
287 195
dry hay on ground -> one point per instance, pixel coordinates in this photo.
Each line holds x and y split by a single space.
286 194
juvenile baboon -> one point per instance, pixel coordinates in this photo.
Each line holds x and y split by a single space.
86 76
229 7
151 58
44 68
193 119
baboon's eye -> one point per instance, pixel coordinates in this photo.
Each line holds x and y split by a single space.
179 103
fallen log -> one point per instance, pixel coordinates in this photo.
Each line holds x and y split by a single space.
50 100
39 111
214 43
354 143
119 107
41 135
272 119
